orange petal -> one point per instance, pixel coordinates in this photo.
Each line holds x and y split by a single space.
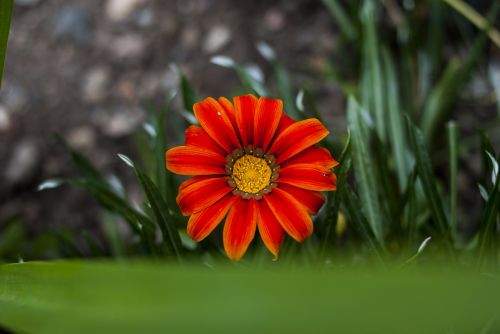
192 160
308 177
202 223
239 228
229 108
267 117
215 121
284 123
201 193
196 136
292 215
297 137
244 110
192 180
270 230
313 156
312 200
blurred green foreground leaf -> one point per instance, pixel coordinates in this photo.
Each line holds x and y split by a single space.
104 297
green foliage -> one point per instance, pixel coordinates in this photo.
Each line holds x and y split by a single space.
86 297
5 16
388 189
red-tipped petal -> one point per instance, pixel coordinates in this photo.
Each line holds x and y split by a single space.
239 229
270 230
200 194
317 156
244 110
284 123
192 160
214 120
308 177
267 117
192 180
291 215
229 108
202 223
312 200
196 136
296 138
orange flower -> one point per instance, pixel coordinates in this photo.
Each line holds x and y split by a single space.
256 165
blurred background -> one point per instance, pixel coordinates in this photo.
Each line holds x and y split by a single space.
85 69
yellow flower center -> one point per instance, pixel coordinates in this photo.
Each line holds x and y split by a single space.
251 174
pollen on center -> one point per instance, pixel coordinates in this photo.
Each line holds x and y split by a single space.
251 174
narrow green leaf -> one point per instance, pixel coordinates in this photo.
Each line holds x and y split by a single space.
478 20
424 170
364 169
138 222
360 223
330 217
246 78
161 211
285 89
396 127
375 81
341 18
5 17
439 99
85 167
453 151
452 82
250 82
488 234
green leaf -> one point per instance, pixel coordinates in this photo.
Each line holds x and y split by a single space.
138 222
373 77
85 167
454 79
488 234
5 17
330 216
103 297
364 169
164 218
396 127
341 18
439 99
424 170
453 149
246 78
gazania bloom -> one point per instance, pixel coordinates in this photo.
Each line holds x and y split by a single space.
254 166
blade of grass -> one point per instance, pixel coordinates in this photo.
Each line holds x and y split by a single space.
282 79
453 149
335 198
138 222
363 169
372 61
454 79
246 78
488 234
424 170
396 127
360 223
341 18
475 18
5 17
439 99
84 166
163 215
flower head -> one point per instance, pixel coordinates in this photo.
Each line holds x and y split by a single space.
254 166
